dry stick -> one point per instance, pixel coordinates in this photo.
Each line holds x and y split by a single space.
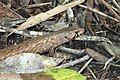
98 12
37 5
86 57
86 64
29 34
99 57
69 50
44 16
42 43
110 8
117 33
69 53
116 4
108 62
93 38
15 31
34 5
92 73
112 64
118 11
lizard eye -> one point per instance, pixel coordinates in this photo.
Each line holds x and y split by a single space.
66 37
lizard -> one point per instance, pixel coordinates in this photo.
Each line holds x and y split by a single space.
43 43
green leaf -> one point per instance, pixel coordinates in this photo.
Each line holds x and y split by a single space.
65 74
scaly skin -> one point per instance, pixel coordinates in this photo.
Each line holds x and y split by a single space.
41 43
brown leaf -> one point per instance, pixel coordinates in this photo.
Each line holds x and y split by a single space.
10 77
5 11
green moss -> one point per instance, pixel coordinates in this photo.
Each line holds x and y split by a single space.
64 74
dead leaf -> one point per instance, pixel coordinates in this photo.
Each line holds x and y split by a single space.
10 77
27 63
5 11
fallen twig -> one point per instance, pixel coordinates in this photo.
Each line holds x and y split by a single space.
34 5
37 5
92 73
86 64
118 11
69 50
4 29
86 57
93 38
44 16
110 8
100 13
116 4
29 34
111 59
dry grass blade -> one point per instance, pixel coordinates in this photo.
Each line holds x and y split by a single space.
86 64
99 12
44 16
116 4
110 8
